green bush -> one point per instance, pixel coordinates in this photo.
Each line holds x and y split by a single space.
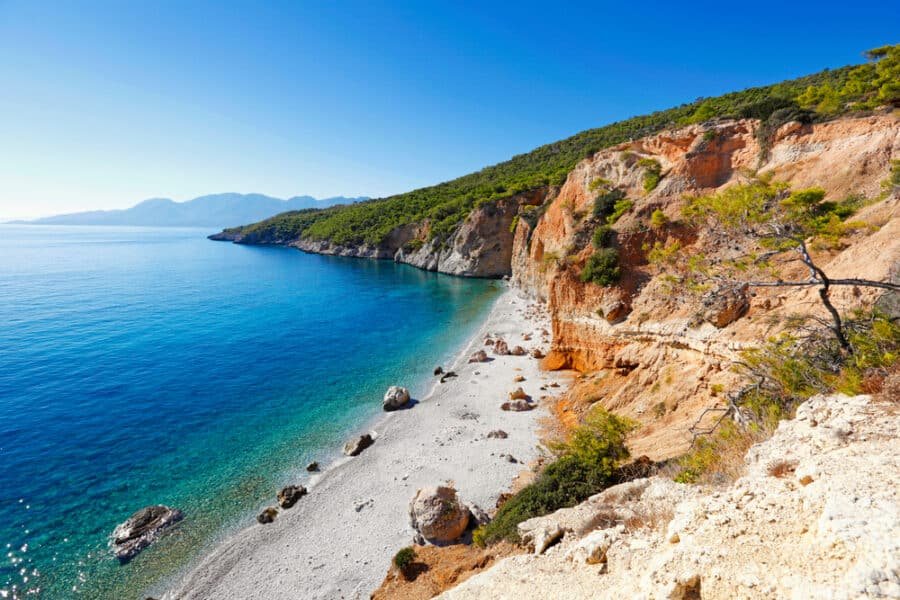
404 558
584 466
603 236
658 219
619 208
652 173
605 202
602 267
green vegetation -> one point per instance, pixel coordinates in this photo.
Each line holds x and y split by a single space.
602 267
658 219
603 236
786 371
445 205
404 558
652 173
584 466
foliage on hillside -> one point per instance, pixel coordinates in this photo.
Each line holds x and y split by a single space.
445 205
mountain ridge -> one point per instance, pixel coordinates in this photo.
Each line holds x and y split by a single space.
210 210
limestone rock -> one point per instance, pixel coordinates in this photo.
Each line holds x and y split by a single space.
395 397
498 434
501 348
289 495
355 447
438 515
519 394
536 353
517 406
518 351
725 305
479 357
141 529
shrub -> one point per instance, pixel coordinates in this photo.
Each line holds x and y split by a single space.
585 465
606 201
603 236
619 208
404 558
602 267
652 173
658 219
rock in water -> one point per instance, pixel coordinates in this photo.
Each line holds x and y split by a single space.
478 357
438 370
267 515
438 515
312 467
141 529
355 447
289 495
395 397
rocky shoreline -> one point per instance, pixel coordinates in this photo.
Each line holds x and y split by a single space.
339 538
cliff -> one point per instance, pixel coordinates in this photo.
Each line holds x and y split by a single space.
481 246
658 356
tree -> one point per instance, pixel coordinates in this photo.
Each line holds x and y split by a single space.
761 222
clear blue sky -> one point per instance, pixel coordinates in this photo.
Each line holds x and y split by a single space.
104 104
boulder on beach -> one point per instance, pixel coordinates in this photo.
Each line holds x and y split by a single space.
479 357
518 351
518 394
488 341
355 447
518 378
395 397
437 514
501 348
448 375
141 529
517 406
497 434
536 353
438 370
289 495
267 515
312 467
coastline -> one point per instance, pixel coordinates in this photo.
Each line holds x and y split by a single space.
337 542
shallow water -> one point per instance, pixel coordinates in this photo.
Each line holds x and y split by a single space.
142 366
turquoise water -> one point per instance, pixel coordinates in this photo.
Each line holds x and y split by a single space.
143 366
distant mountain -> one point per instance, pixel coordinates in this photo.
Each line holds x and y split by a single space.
215 210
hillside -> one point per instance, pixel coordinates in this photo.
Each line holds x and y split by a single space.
214 210
423 227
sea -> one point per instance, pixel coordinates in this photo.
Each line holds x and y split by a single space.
143 366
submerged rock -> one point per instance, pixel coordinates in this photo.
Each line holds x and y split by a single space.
141 529
355 447
437 514
289 495
438 370
312 467
395 397
267 515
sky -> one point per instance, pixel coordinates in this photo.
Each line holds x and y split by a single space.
104 104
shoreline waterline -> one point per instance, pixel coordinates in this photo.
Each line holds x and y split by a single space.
337 541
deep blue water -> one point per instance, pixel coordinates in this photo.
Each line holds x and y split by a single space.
143 366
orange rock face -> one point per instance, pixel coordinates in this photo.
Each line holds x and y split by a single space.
646 352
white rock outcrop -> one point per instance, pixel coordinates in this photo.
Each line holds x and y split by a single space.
827 527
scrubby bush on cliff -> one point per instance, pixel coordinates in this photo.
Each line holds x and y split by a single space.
784 372
584 466
652 173
602 267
